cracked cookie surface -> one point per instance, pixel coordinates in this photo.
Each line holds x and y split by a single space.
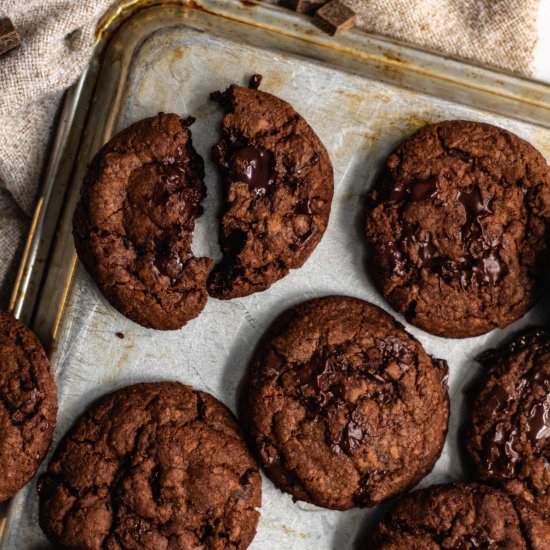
461 516
152 466
456 224
28 405
278 186
134 222
509 430
345 408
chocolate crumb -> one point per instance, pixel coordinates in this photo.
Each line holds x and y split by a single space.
120 335
255 81
334 18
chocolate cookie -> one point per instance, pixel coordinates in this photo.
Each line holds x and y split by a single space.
457 226
134 222
461 516
345 407
28 405
509 433
152 466
278 191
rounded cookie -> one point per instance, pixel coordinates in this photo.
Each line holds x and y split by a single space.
508 438
28 405
456 225
278 190
346 408
134 222
152 466
461 516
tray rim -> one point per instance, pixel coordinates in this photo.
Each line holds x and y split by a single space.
72 146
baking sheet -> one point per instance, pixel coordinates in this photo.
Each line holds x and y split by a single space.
359 120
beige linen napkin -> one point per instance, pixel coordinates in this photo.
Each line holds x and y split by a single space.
58 37
502 33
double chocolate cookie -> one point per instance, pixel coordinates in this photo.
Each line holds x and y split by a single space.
133 224
457 225
346 408
278 190
28 405
509 433
461 516
152 466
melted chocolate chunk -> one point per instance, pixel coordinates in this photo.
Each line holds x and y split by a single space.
394 348
481 540
277 472
487 270
476 209
253 166
316 381
474 205
499 455
393 259
418 191
303 207
396 256
536 340
273 364
354 436
423 190
538 422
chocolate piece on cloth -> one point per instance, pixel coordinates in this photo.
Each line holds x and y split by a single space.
309 7
335 18
9 37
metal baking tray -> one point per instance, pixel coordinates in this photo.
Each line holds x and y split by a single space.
362 94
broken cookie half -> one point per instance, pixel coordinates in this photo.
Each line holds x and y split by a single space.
134 222
278 186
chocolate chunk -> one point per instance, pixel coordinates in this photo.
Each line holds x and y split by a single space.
253 165
334 17
9 37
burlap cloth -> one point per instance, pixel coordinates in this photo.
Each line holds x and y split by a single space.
58 36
